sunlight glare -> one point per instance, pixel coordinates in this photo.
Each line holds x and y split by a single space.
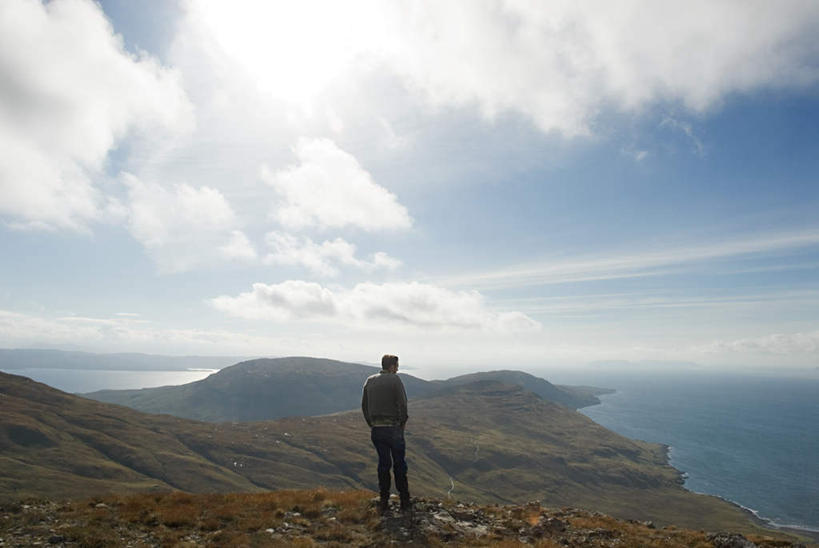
294 50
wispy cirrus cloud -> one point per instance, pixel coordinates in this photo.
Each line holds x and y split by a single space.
633 264
628 304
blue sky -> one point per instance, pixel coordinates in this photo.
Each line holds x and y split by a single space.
463 184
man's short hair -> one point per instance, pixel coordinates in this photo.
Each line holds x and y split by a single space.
388 360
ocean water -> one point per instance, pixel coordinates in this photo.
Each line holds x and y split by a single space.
90 380
748 439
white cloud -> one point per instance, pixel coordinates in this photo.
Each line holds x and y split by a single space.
638 155
238 247
322 259
288 300
330 189
121 334
647 300
686 129
373 305
779 344
186 226
382 260
558 63
69 92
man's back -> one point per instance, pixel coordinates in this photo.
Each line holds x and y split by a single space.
384 400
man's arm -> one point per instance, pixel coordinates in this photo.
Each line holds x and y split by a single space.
364 406
402 403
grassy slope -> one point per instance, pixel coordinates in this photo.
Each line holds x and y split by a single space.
495 443
564 395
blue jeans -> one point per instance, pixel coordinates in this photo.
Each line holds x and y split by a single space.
389 442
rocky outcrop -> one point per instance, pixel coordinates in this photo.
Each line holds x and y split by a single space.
433 522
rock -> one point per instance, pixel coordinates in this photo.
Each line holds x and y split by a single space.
443 517
469 528
553 525
730 540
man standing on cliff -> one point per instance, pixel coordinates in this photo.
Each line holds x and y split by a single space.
384 404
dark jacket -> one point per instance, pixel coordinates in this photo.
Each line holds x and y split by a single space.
384 400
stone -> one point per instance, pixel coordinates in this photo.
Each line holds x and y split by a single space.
443 517
471 528
730 540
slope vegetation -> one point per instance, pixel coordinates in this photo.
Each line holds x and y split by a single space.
484 442
573 397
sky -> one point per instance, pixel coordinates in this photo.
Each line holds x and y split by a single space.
463 184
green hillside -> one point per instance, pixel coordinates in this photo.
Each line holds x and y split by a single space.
573 397
484 442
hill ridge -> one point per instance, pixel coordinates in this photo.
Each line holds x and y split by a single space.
268 388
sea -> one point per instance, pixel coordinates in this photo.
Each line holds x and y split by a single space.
749 439
78 381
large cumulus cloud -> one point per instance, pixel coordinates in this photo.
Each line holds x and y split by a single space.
69 93
397 304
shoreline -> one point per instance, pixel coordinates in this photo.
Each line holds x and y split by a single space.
805 532
753 515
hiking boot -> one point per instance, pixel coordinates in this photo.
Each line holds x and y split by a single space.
406 505
384 505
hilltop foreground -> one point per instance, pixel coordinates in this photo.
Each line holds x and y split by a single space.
331 518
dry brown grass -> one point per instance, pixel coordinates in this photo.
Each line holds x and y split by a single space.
326 518
637 534
243 519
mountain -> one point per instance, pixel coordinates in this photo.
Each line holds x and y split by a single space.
484 442
262 389
299 386
572 397
11 359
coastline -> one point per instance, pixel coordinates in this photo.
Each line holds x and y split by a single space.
805 532
799 531
753 515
